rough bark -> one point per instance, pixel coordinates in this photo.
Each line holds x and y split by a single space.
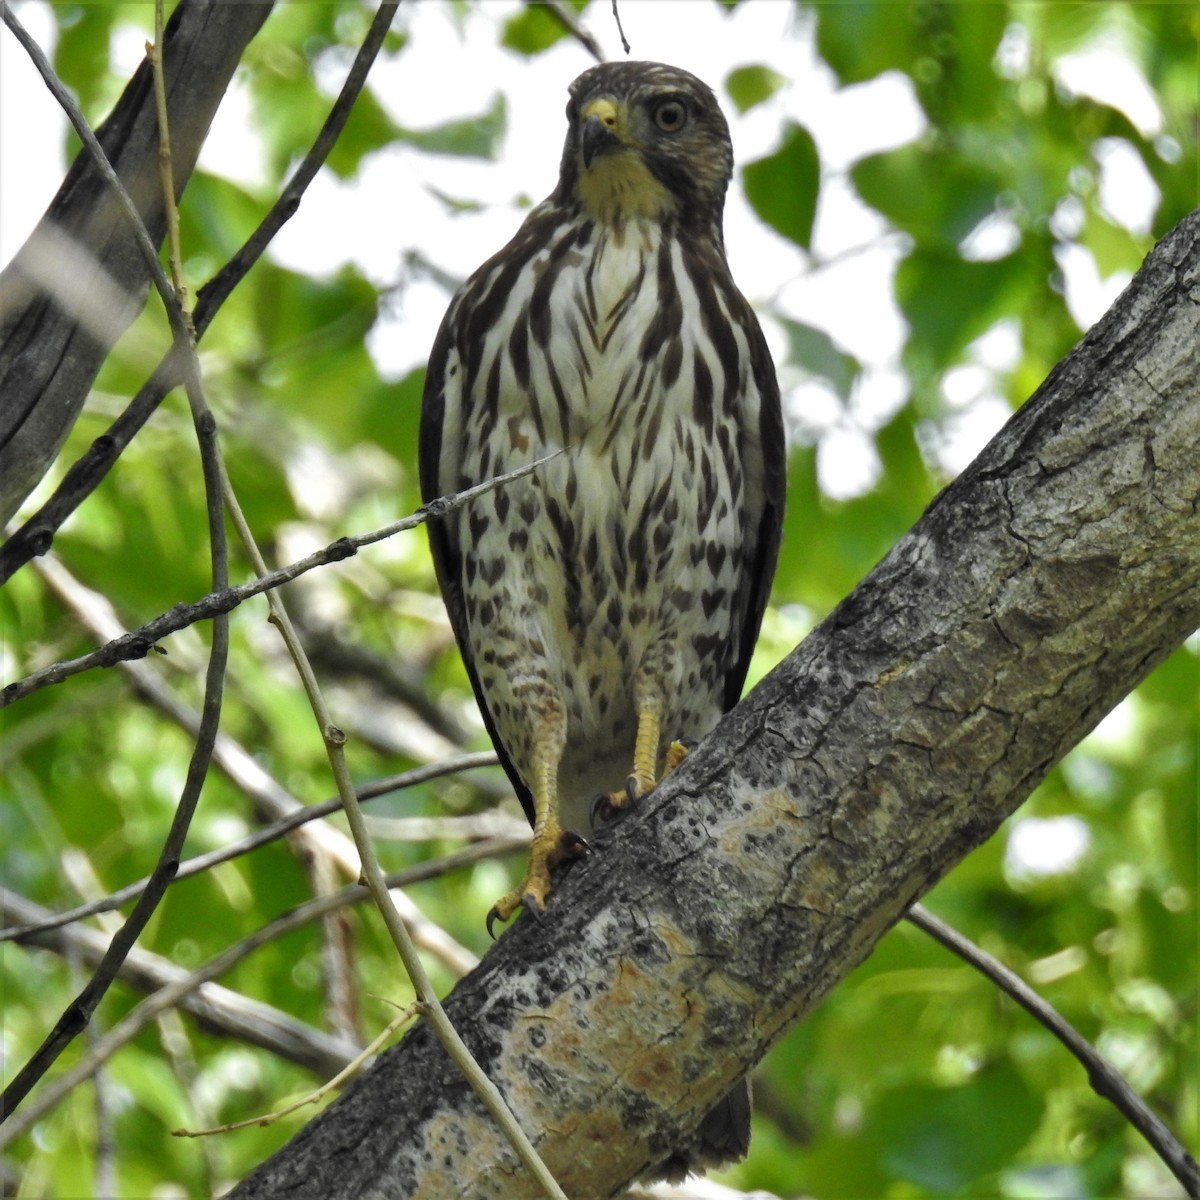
77 283
1035 592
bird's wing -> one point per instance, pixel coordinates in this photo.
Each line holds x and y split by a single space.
439 461
764 459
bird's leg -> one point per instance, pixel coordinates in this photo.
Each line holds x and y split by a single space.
645 759
551 844
645 749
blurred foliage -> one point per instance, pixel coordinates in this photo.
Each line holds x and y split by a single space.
916 1078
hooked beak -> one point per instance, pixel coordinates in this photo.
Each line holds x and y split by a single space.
599 134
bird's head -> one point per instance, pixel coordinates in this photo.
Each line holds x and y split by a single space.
645 140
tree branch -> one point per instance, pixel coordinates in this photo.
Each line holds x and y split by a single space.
1036 590
78 1013
216 1008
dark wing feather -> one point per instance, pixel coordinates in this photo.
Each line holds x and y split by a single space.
767 445
447 554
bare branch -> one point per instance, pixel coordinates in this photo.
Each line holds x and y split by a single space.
270 798
401 1018
174 992
48 361
216 1008
616 12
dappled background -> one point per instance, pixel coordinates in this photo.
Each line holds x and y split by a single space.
932 203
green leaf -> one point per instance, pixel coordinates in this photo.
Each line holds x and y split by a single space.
81 55
783 187
368 128
949 302
533 30
946 1138
748 86
860 41
475 137
1113 247
936 197
816 351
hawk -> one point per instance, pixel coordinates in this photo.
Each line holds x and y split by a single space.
606 604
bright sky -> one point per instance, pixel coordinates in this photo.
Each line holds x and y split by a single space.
844 289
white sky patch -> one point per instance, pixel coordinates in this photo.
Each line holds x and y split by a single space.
1088 297
999 348
877 396
1128 193
1012 55
32 128
1039 847
847 463
1116 736
1104 71
996 236
233 149
962 435
811 409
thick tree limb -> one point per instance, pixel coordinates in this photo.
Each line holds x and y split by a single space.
77 283
1037 589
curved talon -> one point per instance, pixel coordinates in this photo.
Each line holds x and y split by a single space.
551 849
573 845
606 806
601 809
493 915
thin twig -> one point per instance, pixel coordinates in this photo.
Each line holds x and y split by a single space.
167 170
1106 1081
37 534
617 17
230 1012
137 644
314 1097
271 800
79 1012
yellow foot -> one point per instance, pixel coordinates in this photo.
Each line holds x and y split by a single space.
677 752
546 852
607 805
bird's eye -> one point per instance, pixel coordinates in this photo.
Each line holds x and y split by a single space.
671 116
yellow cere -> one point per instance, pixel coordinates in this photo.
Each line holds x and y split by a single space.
606 110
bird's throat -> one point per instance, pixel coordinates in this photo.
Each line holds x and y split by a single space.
618 187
